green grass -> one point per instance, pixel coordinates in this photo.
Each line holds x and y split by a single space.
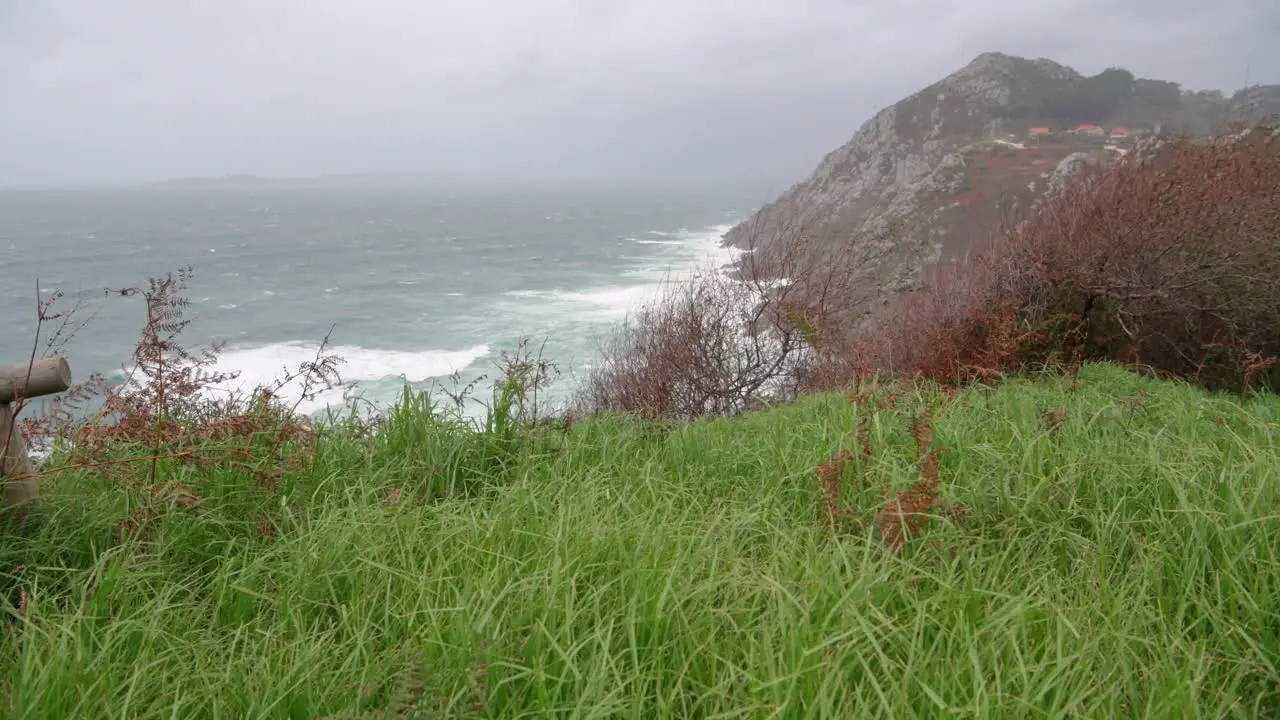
1124 566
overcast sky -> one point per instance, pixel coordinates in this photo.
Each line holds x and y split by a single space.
648 91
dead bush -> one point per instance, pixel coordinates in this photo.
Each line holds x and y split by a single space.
726 342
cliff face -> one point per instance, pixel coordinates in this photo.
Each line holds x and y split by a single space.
929 177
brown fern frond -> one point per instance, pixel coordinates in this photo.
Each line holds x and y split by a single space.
906 512
410 685
831 476
864 437
922 431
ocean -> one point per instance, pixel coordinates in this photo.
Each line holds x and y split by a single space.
416 284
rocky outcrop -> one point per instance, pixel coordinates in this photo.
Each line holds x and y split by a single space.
1071 165
923 179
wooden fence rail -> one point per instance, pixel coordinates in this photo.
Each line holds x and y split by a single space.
44 377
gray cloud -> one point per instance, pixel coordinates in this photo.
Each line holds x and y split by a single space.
646 91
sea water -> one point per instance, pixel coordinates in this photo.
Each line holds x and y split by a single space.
414 285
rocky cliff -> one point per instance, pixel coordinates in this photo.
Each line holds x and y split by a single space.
927 178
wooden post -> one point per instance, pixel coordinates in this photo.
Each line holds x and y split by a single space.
48 376
45 377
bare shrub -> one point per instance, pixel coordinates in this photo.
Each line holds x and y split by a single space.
725 343
1168 261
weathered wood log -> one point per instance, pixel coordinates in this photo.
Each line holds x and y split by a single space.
46 377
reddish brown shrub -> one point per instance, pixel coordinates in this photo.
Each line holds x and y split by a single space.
1168 261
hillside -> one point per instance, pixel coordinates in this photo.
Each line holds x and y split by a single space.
1106 548
929 177
229 182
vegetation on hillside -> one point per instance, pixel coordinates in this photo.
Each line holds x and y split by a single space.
1166 262
1104 546
1169 263
1105 97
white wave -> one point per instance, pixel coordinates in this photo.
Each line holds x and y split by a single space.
689 255
694 253
602 303
698 248
264 366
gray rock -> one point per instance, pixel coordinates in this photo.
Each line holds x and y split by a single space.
904 164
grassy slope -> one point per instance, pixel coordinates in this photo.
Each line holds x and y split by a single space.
1124 566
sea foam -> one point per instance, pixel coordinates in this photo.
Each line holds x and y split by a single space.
266 365
687 254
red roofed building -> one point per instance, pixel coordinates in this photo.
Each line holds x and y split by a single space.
1038 132
1120 133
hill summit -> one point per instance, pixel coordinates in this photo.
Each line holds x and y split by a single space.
927 178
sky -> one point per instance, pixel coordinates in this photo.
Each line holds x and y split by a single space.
603 92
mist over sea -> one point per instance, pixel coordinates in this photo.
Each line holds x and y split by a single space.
417 284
